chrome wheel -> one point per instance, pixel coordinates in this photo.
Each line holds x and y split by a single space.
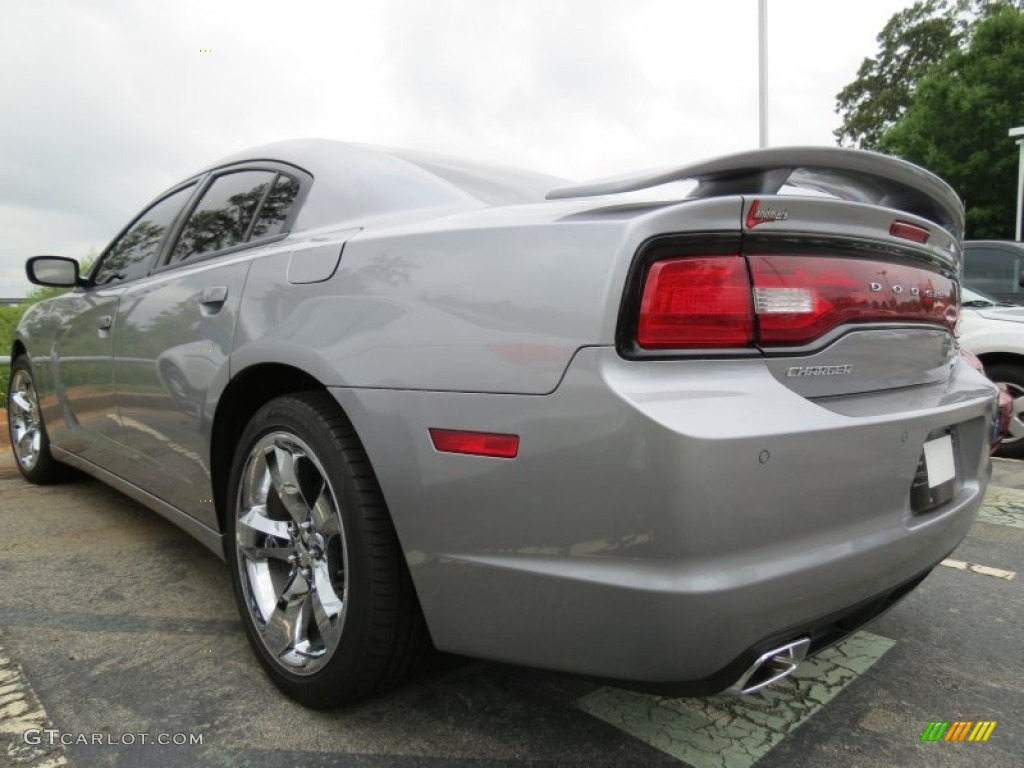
292 558
23 414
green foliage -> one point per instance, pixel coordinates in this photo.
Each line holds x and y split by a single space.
943 90
957 120
9 317
911 43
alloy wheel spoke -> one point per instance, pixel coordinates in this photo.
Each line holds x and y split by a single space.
261 538
21 401
255 523
27 443
286 626
327 606
324 518
281 464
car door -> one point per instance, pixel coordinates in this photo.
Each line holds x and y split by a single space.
172 345
82 359
995 270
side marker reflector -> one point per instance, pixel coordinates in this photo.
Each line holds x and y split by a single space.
475 443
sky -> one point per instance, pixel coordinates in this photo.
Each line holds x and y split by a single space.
105 104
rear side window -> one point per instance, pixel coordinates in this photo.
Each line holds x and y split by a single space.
276 208
222 217
132 255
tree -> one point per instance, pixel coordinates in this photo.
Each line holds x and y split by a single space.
956 121
910 45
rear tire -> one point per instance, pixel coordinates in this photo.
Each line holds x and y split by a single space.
1012 376
29 441
317 571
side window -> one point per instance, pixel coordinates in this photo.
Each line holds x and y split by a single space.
222 218
276 207
132 255
992 271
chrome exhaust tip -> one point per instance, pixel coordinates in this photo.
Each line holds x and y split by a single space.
771 667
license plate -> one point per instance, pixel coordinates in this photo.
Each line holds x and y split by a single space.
938 460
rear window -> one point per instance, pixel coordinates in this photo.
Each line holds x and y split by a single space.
494 185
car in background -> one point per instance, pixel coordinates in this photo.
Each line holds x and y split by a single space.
681 442
994 332
995 268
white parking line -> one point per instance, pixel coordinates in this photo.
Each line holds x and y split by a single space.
20 711
735 732
984 570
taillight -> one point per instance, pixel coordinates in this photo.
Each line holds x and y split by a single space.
842 291
699 301
732 301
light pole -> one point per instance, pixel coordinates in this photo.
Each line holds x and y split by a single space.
1018 134
762 91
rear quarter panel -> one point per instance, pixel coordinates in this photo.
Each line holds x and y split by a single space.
497 300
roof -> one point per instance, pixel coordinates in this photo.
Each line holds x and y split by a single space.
356 181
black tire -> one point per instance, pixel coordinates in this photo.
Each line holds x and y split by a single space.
25 421
380 631
1012 376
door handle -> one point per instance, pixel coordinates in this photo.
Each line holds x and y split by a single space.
104 322
215 294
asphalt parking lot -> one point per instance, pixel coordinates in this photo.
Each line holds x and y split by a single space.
117 629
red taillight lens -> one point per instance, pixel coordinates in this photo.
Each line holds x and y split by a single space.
698 301
712 301
835 291
476 443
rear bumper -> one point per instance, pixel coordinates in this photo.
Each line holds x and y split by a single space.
664 521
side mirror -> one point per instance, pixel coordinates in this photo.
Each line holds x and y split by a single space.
58 271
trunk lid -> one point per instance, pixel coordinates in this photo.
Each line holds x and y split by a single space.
888 278
842 272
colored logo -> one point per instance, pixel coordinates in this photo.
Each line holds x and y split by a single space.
758 215
959 730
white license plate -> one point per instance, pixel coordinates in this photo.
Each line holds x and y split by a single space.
938 460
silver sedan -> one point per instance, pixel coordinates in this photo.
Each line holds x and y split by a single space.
676 435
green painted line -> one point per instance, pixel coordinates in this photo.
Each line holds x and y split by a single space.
735 732
1003 506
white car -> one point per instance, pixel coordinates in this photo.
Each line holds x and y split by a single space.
994 331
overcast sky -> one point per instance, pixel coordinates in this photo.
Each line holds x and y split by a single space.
104 104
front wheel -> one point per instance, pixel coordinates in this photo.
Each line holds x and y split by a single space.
1012 376
29 441
318 575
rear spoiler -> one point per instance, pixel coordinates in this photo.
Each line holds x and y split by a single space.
850 174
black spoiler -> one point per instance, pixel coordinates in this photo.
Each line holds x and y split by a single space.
849 174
